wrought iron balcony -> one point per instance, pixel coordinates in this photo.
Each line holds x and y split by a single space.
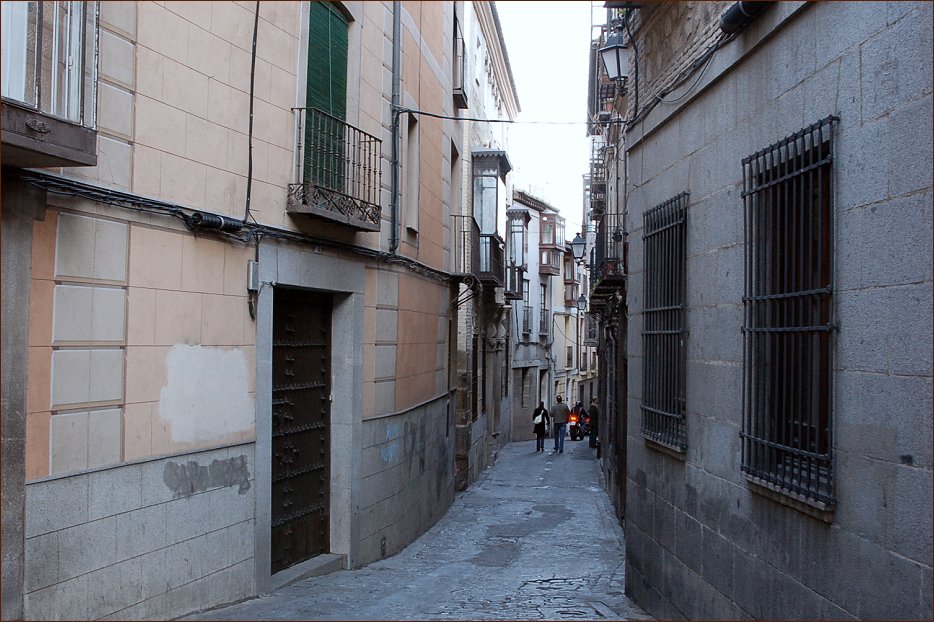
466 246
544 323
590 331
492 254
526 319
514 276
480 255
340 169
608 269
571 290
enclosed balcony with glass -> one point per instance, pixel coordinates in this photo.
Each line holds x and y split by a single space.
490 167
551 244
517 241
49 83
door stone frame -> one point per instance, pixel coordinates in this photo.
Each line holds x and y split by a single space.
286 264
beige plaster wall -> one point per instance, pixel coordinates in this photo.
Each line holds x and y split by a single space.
419 369
191 113
140 343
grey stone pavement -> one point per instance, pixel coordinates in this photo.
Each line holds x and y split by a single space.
535 538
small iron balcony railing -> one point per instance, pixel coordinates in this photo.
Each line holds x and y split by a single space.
492 254
514 276
544 322
608 264
590 330
340 168
570 294
526 319
466 245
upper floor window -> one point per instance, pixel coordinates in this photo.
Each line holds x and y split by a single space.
49 58
552 230
788 325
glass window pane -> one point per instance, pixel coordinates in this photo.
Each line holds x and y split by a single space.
18 71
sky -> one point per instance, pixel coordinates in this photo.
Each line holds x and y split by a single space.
548 44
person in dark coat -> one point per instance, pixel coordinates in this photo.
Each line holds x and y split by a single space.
541 421
594 421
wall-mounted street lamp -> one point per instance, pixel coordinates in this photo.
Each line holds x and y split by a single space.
577 247
582 303
615 55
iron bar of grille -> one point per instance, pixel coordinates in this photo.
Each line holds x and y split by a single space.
341 169
788 315
664 352
466 255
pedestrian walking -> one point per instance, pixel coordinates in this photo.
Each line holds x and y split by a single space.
594 421
559 417
541 420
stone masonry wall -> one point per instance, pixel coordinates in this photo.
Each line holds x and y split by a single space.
407 477
148 540
701 542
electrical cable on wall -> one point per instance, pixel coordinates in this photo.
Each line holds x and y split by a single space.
249 174
246 234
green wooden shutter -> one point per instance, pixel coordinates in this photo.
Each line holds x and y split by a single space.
327 60
327 91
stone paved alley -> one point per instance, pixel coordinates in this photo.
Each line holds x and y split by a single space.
536 538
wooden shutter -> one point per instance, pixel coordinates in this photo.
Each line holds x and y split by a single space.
327 60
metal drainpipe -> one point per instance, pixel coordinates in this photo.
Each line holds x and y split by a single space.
396 104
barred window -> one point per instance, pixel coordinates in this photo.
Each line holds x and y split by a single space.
788 323
663 330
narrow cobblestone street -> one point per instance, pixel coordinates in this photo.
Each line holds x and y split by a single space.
536 538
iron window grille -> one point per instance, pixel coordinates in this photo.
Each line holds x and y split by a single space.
663 334
788 323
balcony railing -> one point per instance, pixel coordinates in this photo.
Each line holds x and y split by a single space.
492 253
544 323
340 168
526 319
590 331
466 245
608 269
514 277
571 294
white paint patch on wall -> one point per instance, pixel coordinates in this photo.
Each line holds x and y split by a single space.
206 396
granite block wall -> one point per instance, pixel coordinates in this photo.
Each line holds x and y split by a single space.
155 539
702 542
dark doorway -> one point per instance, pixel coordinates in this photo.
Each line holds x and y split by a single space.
301 409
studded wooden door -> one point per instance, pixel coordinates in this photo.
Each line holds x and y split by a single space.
301 408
